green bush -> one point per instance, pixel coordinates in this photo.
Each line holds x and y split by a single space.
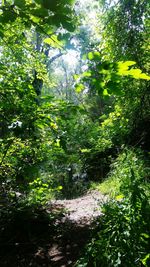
120 176
122 235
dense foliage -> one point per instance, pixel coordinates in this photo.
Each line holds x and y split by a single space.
121 237
68 122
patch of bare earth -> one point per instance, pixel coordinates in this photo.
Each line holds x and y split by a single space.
76 225
82 210
57 243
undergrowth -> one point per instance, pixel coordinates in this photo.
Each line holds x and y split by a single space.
121 238
120 175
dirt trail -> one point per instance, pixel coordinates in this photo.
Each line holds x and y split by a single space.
76 227
41 242
82 210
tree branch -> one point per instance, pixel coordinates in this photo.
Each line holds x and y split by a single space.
54 58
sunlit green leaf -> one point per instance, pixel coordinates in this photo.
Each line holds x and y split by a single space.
53 41
137 74
95 55
90 55
125 65
79 88
86 74
105 92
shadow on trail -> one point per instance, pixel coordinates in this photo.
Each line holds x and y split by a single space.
41 238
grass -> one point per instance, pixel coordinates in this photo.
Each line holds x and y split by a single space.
120 176
110 187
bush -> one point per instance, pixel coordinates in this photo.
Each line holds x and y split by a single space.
120 175
122 235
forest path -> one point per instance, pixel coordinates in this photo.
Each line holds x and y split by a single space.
82 210
53 236
75 227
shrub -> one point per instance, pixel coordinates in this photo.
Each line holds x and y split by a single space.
122 235
121 175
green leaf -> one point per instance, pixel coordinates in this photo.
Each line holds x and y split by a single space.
123 70
35 19
20 3
68 26
79 88
125 65
85 150
50 4
137 74
94 55
39 12
64 36
105 92
145 260
97 55
53 41
60 187
90 56
76 76
86 74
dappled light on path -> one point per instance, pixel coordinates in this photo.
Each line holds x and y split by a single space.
40 242
82 210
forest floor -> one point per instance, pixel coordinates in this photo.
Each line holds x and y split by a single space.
59 243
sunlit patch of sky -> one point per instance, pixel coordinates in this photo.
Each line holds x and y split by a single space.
71 57
112 2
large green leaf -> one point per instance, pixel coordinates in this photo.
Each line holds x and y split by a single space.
53 41
20 3
123 70
68 26
51 4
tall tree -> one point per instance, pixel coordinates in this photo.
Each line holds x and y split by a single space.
28 29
